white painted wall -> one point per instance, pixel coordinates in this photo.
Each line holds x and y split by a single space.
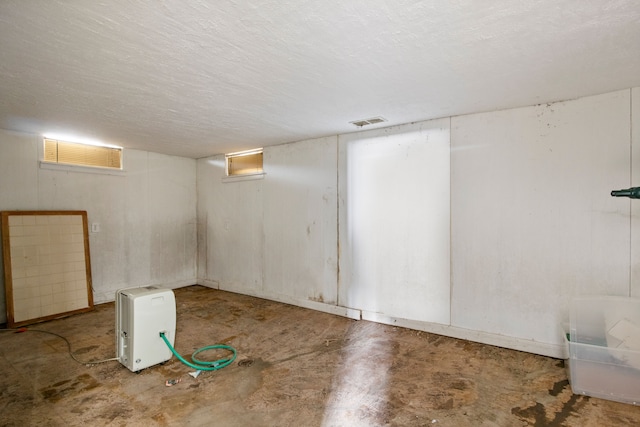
635 181
394 221
533 222
147 215
300 220
274 237
229 229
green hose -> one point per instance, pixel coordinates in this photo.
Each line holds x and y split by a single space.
204 365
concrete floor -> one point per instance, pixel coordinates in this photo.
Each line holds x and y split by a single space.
295 367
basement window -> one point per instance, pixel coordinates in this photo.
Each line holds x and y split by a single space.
78 154
244 164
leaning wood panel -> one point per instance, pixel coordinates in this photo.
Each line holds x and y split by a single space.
47 266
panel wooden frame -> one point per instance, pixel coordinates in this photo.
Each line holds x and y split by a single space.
45 271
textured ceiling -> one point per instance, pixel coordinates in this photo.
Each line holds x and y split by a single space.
200 77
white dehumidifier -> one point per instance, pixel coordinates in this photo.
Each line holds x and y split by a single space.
141 314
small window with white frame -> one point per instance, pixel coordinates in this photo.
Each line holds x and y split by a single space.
81 154
244 163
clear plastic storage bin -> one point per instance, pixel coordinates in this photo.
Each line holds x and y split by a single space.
604 348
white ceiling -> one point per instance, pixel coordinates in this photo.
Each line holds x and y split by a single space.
200 77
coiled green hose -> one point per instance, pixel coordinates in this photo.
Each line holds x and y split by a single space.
204 365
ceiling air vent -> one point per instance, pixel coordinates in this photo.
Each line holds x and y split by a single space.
371 121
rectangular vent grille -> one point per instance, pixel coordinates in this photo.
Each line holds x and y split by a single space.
371 121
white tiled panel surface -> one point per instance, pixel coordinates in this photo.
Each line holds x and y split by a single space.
47 265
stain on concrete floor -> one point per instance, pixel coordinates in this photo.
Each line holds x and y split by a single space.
295 367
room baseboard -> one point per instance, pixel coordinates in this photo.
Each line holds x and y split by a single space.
286 299
109 296
557 351
213 284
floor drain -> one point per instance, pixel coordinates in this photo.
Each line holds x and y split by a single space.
245 363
